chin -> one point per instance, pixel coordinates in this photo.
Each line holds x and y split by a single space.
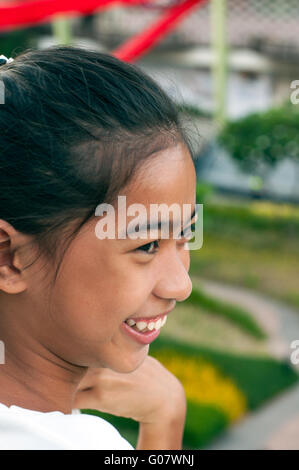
130 362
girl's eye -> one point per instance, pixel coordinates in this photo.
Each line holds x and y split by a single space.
188 234
146 247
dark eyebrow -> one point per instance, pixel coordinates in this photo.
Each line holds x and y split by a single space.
158 225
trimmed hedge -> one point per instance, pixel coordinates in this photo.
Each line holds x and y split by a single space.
235 314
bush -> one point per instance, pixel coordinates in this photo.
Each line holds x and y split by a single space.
263 138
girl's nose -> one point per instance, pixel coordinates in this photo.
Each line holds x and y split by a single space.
174 280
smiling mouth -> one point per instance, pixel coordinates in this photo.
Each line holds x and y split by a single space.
144 325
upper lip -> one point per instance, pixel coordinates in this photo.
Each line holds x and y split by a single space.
152 317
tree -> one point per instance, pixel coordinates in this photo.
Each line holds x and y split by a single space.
260 140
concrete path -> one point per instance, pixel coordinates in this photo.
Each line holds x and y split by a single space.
273 426
276 424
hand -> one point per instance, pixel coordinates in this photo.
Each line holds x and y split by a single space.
150 394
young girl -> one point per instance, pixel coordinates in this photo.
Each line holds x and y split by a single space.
79 128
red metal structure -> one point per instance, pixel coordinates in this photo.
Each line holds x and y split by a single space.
16 14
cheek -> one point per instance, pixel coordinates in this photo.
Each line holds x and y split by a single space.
90 303
86 305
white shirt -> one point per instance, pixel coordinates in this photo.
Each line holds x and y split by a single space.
23 429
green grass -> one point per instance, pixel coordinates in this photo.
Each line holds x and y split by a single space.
235 314
196 326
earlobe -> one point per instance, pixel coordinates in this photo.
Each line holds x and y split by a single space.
11 280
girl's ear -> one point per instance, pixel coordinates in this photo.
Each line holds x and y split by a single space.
11 277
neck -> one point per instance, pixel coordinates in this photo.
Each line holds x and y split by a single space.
35 378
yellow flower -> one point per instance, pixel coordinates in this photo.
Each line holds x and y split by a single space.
204 383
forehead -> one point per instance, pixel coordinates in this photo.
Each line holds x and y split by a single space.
163 191
167 177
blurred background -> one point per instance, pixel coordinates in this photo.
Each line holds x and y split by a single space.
231 66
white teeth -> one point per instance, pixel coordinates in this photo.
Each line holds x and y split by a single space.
141 325
151 325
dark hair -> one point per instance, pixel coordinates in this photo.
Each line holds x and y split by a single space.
75 127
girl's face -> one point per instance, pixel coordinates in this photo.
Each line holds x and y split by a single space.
102 283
